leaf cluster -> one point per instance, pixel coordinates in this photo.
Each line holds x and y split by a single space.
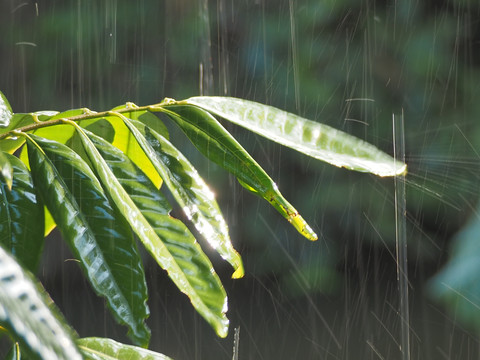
100 177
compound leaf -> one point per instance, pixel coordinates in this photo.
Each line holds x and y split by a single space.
207 297
190 191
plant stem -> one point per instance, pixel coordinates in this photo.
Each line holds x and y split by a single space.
130 107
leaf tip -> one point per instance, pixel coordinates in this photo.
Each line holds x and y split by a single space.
402 171
222 329
238 273
303 228
309 233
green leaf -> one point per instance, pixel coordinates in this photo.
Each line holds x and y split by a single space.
190 191
49 223
125 141
6 170
107 349
6 112
21 217
11 144
176 237
217 144
95 232
211 302
319 141
24 312
457 283
146 117
61 133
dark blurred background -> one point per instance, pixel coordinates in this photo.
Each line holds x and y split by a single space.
347 63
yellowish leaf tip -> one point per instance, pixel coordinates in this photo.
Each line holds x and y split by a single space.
238 273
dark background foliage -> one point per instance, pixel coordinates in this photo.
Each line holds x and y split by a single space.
350 64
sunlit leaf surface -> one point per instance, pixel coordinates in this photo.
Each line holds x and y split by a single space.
146 117
6 170
125 141
195 265
210 302
311 138
21 217
60 132
5 111
24 312
217 144
94 230
190 191
108 349
11 144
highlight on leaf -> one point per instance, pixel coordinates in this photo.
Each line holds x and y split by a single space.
317 140
212 311
218 145
26 315
95 232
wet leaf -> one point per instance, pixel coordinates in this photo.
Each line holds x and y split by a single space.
49 222
11 144
217 144
25 313
178 240
317 140
21 217
6 170
146 117
108 349
208 298
125 141
60 132
190 191
94 230
6 112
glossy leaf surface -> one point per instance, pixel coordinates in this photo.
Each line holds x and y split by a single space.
60 132
25 313
190 191
6 170
217 144
211 303
146 117
108 349
21 217
125 141
11 144
5 111
180 243
317 140
95 232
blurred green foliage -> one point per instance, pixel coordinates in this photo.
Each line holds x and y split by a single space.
347 63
